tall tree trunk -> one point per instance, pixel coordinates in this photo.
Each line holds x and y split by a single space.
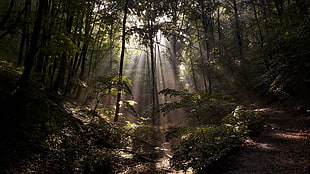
7 15
82 76
260 33
90 67
238 31
22 46
24 43
174 61
154 84
12 26
173 52
192 66
161 68
52 70
219 24
111 47
208 24
279 6
149 77
34 44
44 70
74 65
59 82
201 59
88 30
120 74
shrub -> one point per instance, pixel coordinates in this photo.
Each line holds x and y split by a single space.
203 146
243 121
202 108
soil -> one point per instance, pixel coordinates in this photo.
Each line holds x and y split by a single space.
283 147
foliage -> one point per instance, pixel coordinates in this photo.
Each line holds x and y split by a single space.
212 136
202 107
110 84
86 148
204 146
244 121
39 134
287 54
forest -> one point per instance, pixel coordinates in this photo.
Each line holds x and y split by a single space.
154 86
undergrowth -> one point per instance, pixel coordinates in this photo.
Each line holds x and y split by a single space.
40 134
211 134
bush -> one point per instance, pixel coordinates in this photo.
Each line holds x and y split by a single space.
203 146
202 108
244 122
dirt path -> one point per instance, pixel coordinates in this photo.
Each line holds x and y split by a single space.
283 147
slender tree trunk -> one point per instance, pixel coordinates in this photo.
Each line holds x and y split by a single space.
161 69
7 15
33 45
74 62
149 77
60 80
90 67
39 63
82 76
53 70
44 70
70 74
111 47
174 61
193 68
24 43
11 27
238 31
219 24
258 25
120 75
201 59
260 33
208 27
61 73
22 46
154 84
279 6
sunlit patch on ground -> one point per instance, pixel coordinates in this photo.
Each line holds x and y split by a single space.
188 171
181 172
263 110
292 135
164 162
264 146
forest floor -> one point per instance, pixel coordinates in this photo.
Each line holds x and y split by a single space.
283 147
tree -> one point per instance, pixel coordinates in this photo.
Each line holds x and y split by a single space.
119 94
33 48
